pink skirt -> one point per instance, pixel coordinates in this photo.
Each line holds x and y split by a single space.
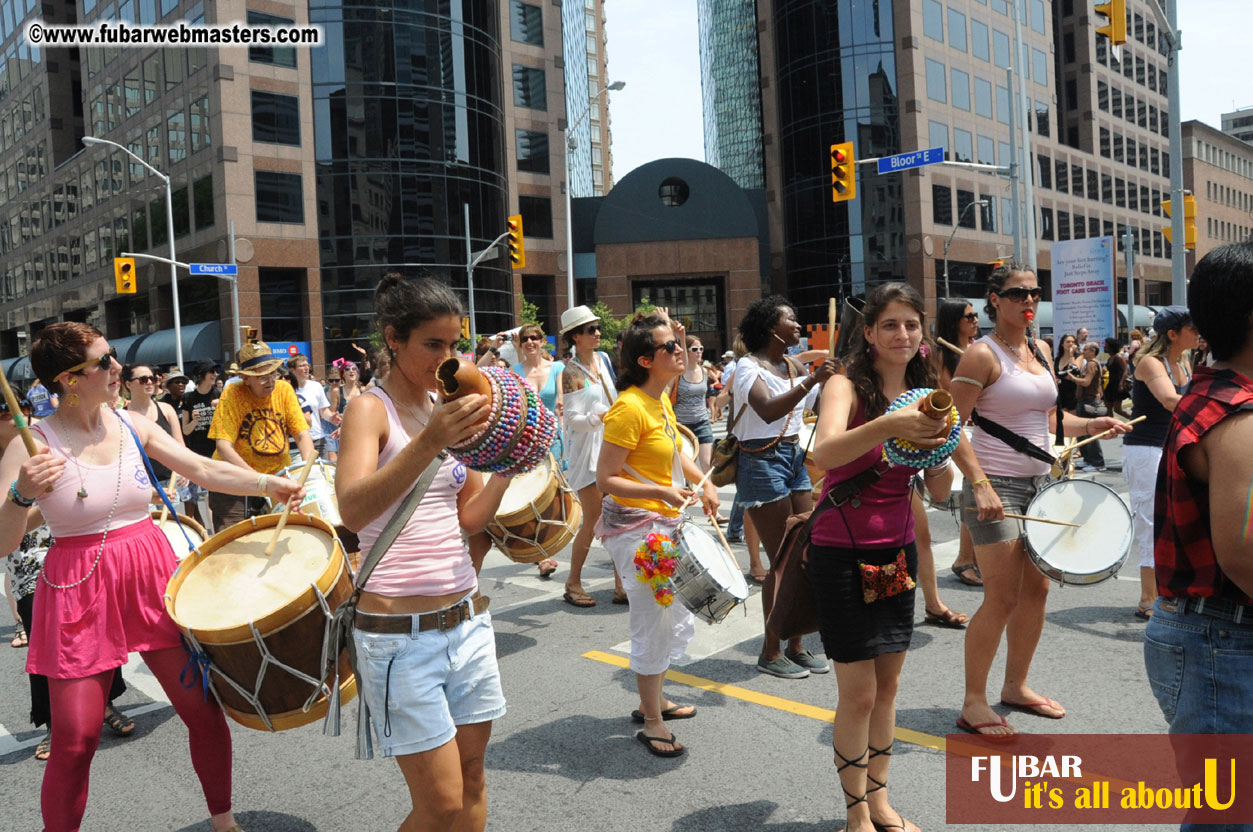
118 610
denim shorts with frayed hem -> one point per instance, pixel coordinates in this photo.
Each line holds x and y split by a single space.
1016 494
771 475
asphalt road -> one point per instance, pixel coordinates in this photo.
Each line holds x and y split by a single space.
565 757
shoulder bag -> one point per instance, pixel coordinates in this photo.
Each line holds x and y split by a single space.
726 451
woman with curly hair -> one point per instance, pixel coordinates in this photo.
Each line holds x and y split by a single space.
772 392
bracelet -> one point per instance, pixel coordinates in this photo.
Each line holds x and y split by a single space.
981 482
262 482
1087 428
939 469
17 497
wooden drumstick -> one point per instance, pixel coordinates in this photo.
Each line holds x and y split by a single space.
18 420
1104 434
696 490
282 520
831 327
952 347
165 510
1034 519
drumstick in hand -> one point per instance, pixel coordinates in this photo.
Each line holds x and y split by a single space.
18 420
952 347
1104 434
165 509
696 490
282 521
1034 519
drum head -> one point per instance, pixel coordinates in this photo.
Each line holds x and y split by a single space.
690 444
527 488
721 567
233 582
1090 553
175 535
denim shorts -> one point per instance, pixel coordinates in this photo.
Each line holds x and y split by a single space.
770 476
703 431
1016 494
418 687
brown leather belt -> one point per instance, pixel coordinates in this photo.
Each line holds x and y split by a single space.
440 620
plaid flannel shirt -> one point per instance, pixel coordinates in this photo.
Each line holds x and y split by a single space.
1182 547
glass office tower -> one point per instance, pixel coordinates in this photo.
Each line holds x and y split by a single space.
730 89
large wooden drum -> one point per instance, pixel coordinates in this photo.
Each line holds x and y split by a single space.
538 516
262 622
170 528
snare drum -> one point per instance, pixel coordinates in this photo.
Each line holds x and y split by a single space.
262 622
538 516
707 579
171 530
1092 553
320 498
806 440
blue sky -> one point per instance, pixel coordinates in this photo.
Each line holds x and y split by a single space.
653 48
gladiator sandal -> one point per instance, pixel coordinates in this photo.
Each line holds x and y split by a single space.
841 763
877 752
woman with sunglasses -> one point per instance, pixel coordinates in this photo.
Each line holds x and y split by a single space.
341 394
544 375
957 322
1006 377
690 397
140 383
641 469
771 394
588 391
100 591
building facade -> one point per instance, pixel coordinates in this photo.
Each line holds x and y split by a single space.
332 164
1218 169
895 76
730 92
1239 123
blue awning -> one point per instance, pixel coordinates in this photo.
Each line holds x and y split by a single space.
127 347
18 369
199 341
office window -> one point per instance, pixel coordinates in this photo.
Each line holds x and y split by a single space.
1063 225
1079 227
1008 221
941 204
1102 96
1094 185
1152 79
1144 157
1068 47
1116 102
1002 105
961 89
1039 67
532 152
937 135
200 136
966 218
530 89
1000 48
1107 228
988 213
176 133
1120 192
182 213
983 98
1118 156
957 30
1107 189
933 19
963 145
1045 166
1094 226
1003 152
1140 71
275 118
1141 113
987 150
526 25
1042 118
537 216
1105 141
1155 161
1133 201
202 195
979 40
1131 150
275 56
936 88
1037 15
1062 176
1046 223
279 197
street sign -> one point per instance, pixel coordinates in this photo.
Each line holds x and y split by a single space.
914 159
217 269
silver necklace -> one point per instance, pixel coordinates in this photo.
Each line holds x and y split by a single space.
408 408
108 521
82 485
1008 346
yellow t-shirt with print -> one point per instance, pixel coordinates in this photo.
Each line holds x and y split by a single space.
259 428
647 428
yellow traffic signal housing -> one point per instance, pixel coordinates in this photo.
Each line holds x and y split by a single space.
1189 222
843 172
465 327
1116 28
124 275
517 245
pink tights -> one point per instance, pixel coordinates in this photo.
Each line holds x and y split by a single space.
77 714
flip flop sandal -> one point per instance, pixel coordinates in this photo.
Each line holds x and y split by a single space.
669 713
757 579
1144 613
118 722
948 618
578 599
660 752
961 570
974 728
621 599
19 638
547 567
1034 707
44 750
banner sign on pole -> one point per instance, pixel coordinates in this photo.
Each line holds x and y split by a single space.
1083 287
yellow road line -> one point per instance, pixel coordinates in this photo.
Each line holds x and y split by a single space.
758 698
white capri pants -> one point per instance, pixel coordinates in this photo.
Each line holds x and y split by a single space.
659 635
1139 466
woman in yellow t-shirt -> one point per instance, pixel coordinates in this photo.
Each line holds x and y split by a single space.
641 472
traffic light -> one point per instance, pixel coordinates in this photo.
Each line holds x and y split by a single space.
1189 221
124 275
465 326
843 172
517 246
1116 28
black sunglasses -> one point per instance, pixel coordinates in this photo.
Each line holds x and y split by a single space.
144 379
528 338
670 346
590 329
973 317
104 362
1019 294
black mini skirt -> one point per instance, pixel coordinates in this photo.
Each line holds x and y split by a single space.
851 629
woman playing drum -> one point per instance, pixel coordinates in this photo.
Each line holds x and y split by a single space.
100 590
1007 378
426 651
588 389
544 375
867 635
639 469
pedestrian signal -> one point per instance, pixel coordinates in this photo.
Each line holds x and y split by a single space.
124 275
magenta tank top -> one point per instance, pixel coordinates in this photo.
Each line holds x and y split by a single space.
68 516
1020 401
429 556
884 517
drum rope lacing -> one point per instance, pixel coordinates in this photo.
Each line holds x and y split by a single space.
502 535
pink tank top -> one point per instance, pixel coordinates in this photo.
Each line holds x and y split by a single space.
1020 401
429 556
69 516
884 517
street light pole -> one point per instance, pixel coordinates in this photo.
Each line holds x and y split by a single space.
169 230
949 241
571 144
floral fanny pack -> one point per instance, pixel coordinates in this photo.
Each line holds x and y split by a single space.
886 580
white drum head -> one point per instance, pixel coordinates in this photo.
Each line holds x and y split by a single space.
1093 551
805 437
526 488
172 531
716 561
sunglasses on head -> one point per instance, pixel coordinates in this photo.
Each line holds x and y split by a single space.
973 317
104 362
1019 294
528 338
669 346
